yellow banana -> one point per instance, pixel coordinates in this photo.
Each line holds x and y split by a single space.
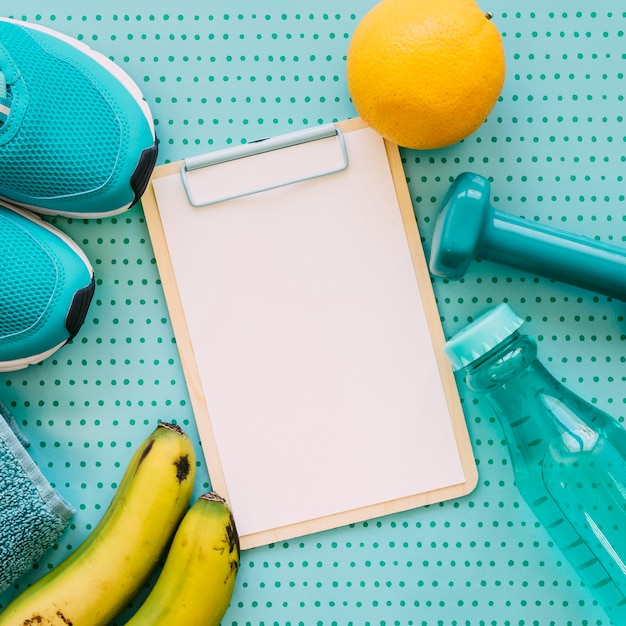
197 581
94 583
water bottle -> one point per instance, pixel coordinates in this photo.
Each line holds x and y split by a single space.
568 457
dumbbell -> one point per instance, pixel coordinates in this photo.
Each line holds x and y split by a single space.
469 228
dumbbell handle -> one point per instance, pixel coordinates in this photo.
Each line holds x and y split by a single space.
556 254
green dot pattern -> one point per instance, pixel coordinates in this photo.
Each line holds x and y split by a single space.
224 73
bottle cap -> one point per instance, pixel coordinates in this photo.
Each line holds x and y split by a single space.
481 336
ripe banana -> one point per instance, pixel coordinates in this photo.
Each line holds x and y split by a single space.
94 583
197 581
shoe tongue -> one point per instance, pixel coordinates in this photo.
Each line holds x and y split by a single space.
5 110
5 99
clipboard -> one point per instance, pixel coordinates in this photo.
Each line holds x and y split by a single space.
308 331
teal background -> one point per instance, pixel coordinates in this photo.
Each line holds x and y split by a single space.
221 73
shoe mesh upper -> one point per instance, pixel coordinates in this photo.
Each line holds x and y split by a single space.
56 153
29 279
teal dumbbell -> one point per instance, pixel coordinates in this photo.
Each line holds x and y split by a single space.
469 228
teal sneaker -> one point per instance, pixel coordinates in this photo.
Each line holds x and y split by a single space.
46 287
76 135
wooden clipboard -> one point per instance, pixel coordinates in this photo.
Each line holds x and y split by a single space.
358 470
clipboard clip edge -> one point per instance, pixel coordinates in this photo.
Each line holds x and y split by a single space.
261 146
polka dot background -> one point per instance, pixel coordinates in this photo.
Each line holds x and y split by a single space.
223 73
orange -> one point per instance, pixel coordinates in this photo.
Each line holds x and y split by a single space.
425 73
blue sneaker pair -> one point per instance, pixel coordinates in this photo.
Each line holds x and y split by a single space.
77 140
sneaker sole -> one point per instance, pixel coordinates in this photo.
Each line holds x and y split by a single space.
147 161
80 303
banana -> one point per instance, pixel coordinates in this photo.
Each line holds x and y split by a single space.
197 581
94 583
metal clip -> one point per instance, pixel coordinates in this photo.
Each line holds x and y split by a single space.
261 146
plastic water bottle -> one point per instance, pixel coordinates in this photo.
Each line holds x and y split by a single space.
568 457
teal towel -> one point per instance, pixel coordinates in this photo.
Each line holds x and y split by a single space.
32 514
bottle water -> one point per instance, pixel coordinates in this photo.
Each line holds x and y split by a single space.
568 457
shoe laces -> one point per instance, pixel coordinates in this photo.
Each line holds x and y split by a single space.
5 98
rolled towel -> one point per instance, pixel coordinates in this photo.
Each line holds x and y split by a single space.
33 515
